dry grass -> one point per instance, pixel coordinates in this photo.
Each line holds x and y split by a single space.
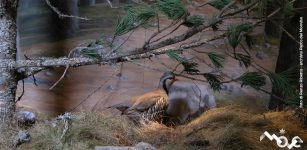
230 127
85 132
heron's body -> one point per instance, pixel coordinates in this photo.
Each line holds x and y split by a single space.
188 100
176 101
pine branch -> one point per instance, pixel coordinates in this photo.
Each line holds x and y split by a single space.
243 59
216 59
214 81
135 17
61 15
253 79
173 9
236 33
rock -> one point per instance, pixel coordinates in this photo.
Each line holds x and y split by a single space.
113 148
139 146
26 118
22 137
144 146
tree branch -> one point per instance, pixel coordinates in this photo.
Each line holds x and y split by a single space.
61 15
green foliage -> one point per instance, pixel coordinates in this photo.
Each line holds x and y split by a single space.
246 1
295 100
135 17
282 81
189 65
250 40
216 59
253 79
173 9
219 4
285 5
287 8
90 53
194 21
235 33
214 81
243 59
174 55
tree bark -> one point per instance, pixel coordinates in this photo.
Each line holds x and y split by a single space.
271 26
8 82
65 27
87 2
289 50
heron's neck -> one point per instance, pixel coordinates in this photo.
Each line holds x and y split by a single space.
166 84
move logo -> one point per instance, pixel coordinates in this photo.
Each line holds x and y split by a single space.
282 141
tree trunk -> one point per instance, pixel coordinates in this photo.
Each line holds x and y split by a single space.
8 81
271 28
289 50
65 27
87 2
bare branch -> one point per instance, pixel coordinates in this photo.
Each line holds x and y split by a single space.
227 7
61 15
110 4
22 93
61 78
241 10
29 71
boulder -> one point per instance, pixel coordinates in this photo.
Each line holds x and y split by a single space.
139 146
26 117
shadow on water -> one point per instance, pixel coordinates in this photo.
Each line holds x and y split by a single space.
43 33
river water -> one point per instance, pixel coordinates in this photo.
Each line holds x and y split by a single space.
84 88
93 88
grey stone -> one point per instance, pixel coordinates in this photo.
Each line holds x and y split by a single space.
113 148
26 117
139 146
144 146
22 137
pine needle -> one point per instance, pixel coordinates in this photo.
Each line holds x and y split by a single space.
194 21
90 54
135 17
235 33
214 81
282 81
243 59
253 79
219 4
173 9
216 59
189 65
